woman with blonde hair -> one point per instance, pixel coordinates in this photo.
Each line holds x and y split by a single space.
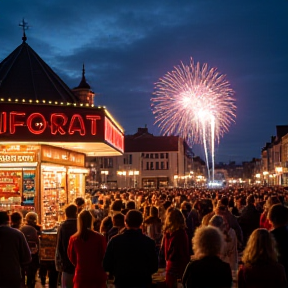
206 269
176 247
260 267
86 251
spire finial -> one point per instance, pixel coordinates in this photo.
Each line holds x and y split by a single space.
24 26
83 73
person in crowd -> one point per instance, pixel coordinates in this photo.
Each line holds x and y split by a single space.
16 220
32 238
65 231
152 227
14 253
249 220
229 252
260 269
222 206
206 269
80 203
264 221
278 216
130 256
86 250
105 226
176 246
118 224
130 205
116 207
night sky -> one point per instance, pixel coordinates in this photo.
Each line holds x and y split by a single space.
128 45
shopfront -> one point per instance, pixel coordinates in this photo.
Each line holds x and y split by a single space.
43 150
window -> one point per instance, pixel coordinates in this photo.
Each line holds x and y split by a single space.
151 165
166 155
157 165
167 165
156 155
162 155
147 165
127 159
147 156
151 156
162 166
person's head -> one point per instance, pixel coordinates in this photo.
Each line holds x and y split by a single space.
271 201
130 205
133 219
278 215
207 241
71 211
116 205
106 224
85 223
118 220
154 212
250 200
218 222
174 221
16 219
260 247
31 218
80 203
4 218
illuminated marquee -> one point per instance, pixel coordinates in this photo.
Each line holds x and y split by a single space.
36 123
58 123
113 136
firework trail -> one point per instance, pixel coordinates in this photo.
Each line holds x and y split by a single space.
195 103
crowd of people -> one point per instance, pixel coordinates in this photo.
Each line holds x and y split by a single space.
124 237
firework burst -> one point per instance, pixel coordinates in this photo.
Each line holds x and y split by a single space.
189 96
194 102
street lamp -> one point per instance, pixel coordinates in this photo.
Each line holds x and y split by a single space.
265 173
279 171
105 173
122 173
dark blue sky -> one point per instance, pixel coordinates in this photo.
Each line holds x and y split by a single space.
128 45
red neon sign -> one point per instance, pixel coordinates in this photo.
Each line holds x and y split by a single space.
59 123
113 135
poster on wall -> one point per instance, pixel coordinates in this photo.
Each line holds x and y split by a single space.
10 183
28 187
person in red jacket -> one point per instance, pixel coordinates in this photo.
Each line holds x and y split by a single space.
176 246
86 251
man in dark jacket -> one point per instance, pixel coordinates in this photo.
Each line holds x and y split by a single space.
14 253
65 231
249 220
278 216
130 257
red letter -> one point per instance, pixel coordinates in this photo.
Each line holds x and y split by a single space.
93 119
73 127
58 120
14 123
3 122
41 125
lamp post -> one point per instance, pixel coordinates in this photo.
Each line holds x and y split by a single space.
279 171
122 173
105 173
265 173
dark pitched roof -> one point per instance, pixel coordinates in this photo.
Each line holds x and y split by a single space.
151 144
24 75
